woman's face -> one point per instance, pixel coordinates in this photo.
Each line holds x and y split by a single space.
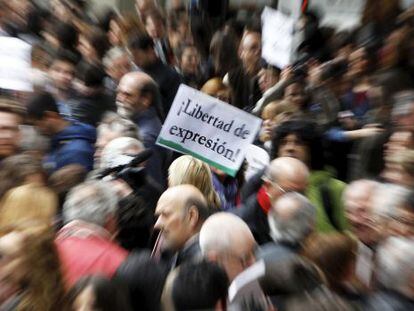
292 146
114 33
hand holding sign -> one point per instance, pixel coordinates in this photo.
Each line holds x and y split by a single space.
208 129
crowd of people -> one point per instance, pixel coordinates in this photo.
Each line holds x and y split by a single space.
94 215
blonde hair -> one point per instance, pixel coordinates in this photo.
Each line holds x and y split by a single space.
278 109
189 170
28 202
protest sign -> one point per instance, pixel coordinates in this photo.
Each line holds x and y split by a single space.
208 129
277 37
15 64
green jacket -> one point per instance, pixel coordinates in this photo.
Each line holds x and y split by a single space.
334 188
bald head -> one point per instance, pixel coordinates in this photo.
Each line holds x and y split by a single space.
135 93
181 211
227 240
285 174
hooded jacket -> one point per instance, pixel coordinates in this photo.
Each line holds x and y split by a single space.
73 145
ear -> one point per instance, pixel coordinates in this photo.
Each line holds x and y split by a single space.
193 216
146 100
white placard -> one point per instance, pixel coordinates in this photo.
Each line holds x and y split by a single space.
277 37
208 129
15 64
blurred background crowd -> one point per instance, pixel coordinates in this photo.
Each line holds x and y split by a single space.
94 215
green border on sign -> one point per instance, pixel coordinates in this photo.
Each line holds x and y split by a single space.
178 147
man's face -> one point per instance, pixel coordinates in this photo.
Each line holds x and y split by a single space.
172 222
360 216
190 61
292 146
276 189
295 94
400 140
155 28
128 97
251 49
9 133
119 67
62 74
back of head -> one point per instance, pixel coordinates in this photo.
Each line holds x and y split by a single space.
199 286
28 202
333 253
119 148
396 265
92 76
189 170
91 201
292 219
107 294
41 103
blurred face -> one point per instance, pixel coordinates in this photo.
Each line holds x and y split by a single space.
295 94
9 133
267 78
104 137
398 141
402 223
172 222
292 146
119 67
190 61
358 63
114 33
86 49
360 216
62 74
276 189
155 28
128 97
85 300
250 50
11 267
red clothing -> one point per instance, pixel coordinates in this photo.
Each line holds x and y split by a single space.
264 200
86 249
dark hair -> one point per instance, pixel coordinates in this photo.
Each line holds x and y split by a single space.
409 202
67 35
141 42
65 56
308 133
99 41
135 219
199 286
202 208
106 18
151 88
109 294
39 104
92 75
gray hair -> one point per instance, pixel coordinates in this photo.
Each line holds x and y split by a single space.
115 149
113 122
300 224
387 197
396 263
112 55
92 201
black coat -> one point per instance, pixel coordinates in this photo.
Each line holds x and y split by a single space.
252 213
386 300
145 280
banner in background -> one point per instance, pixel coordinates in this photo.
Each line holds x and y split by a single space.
208 129
15 64
277 37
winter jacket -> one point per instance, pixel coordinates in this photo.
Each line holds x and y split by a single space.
73 145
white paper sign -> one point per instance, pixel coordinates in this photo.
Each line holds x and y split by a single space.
277 37
208 129
15 64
